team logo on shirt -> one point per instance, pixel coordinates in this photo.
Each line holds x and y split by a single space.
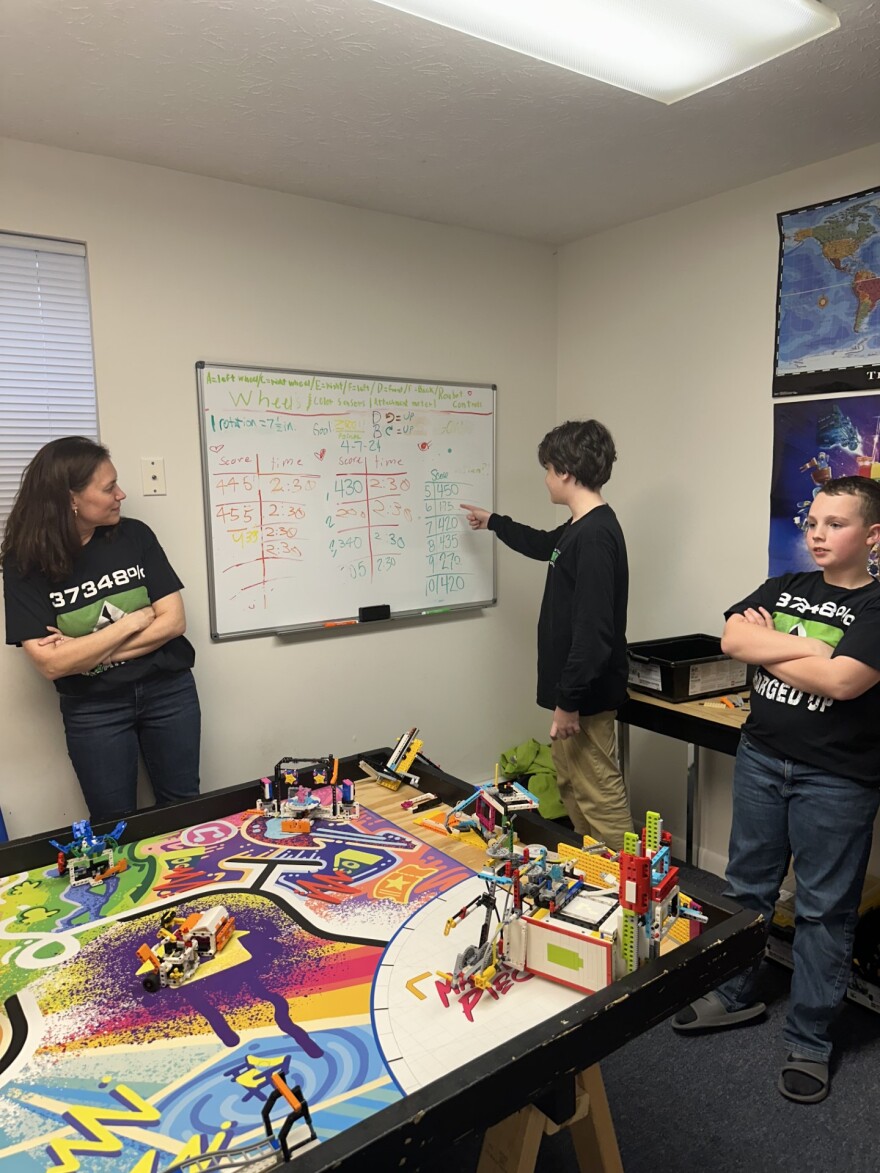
109 614
827 610
102 612
810 628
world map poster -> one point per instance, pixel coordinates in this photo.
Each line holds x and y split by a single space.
828 303
813 441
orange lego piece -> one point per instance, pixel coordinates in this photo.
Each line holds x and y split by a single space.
432 825
112 871
224 932
285 1091
296 826
146 954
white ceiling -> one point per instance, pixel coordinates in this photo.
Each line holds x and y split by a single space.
349 101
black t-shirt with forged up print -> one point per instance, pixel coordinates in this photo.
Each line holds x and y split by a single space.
841 737
122 569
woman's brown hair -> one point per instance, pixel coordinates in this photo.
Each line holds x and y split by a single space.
41 533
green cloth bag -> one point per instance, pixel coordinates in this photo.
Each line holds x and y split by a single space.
535 760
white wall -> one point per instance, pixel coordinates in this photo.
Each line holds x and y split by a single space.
666 333
185 268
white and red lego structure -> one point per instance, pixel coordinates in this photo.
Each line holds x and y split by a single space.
584 921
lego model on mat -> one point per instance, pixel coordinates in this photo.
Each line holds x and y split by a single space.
299 806
89 858
496 805
394 772
582 922
185 943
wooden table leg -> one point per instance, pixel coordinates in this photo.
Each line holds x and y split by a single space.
593 1135
512 1146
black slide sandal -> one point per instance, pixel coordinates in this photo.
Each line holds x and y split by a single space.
710 1013
805 1081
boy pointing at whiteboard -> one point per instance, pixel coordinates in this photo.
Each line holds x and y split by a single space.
582 663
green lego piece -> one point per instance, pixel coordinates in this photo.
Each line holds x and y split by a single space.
653 825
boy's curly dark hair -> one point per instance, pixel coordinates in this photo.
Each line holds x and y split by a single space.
583 448
867 490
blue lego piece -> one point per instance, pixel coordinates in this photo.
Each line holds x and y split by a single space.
86 843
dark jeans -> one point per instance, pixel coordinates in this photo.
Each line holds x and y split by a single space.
161 716
783 809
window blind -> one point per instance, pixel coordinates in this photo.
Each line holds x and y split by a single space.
47 371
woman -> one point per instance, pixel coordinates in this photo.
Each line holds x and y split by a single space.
95 604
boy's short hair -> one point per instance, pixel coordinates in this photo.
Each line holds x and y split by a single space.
583 448
867 490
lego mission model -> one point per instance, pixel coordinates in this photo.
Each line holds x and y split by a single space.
584 921
89 858
496 805
184 944
396 770
288 796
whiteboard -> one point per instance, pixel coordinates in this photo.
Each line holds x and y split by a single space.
333 499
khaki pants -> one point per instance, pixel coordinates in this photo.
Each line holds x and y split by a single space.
590 782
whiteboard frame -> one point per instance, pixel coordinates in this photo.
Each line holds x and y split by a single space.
342 622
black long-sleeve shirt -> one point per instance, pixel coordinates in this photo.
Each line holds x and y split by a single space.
582 664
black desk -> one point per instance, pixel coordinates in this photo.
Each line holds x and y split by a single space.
541 1062
698 725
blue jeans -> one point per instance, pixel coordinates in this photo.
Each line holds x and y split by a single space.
161 716
784 810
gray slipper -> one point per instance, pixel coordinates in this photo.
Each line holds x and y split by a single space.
804 1080
710 1013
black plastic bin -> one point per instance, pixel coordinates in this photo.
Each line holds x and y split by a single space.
685 668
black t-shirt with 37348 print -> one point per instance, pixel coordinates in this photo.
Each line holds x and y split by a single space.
122 569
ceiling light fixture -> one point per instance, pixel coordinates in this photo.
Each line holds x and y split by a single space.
662 49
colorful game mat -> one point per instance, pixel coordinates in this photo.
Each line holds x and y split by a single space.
335 977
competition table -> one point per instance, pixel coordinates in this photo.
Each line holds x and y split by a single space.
90 1063
698 724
